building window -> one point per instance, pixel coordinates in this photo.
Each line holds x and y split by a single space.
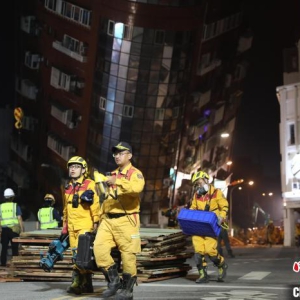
175 112
70 11
128 111
110 28
127 33
50 4
292 134
159 114
59 79
102 103
159 37
71 43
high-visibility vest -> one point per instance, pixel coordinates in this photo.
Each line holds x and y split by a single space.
8 214
45 216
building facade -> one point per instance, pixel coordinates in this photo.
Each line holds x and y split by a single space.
289 99
165 76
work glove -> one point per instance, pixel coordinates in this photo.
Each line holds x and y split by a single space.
64 229
220 220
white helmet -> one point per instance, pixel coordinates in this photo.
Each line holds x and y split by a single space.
8 193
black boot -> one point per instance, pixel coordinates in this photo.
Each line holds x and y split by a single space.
230 254
114 281
202 268
222 270
203 277
76 286
126 292
87 285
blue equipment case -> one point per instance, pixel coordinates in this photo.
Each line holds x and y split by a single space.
198 222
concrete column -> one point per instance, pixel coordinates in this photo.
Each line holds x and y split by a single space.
289 227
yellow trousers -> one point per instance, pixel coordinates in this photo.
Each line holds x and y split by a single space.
73 240
124 233
205 245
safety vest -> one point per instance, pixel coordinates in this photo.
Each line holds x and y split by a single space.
45 216
8 214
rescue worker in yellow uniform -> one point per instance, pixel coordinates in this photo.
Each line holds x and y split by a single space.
11 224
80 215
206 197
48 216
120 225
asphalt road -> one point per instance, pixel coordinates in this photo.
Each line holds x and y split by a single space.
255 273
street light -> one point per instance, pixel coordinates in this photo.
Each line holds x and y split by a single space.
225 135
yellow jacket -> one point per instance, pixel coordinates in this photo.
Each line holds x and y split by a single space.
215 199
129 184
85 214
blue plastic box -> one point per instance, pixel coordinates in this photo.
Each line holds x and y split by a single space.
198 222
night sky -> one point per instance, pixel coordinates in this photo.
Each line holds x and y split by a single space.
257 131
256 139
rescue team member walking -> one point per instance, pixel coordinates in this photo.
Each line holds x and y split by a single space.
207 198
223 236
11 224
80 215
120 225
48 216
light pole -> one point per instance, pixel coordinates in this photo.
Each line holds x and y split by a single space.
230 208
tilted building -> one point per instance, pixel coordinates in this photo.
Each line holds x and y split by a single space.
165 76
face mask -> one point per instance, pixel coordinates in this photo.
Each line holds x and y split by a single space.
48 202
202 190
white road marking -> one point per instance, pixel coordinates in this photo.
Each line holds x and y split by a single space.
210 286
255 276
194 270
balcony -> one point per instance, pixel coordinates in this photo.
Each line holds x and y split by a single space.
59 46
204 69
60 147
67 82
66 116
70 12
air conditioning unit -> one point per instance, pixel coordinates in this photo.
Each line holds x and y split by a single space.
32 60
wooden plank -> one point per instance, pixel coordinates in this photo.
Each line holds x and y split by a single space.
152 279
32 240
166 242
164 257
157 250
165 270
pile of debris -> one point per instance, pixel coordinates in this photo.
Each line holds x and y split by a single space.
163 256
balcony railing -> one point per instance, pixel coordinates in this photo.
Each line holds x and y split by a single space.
58 46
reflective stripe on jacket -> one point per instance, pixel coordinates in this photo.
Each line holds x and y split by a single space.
45 216
8 214
85 214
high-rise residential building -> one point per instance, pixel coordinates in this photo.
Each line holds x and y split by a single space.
165 76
